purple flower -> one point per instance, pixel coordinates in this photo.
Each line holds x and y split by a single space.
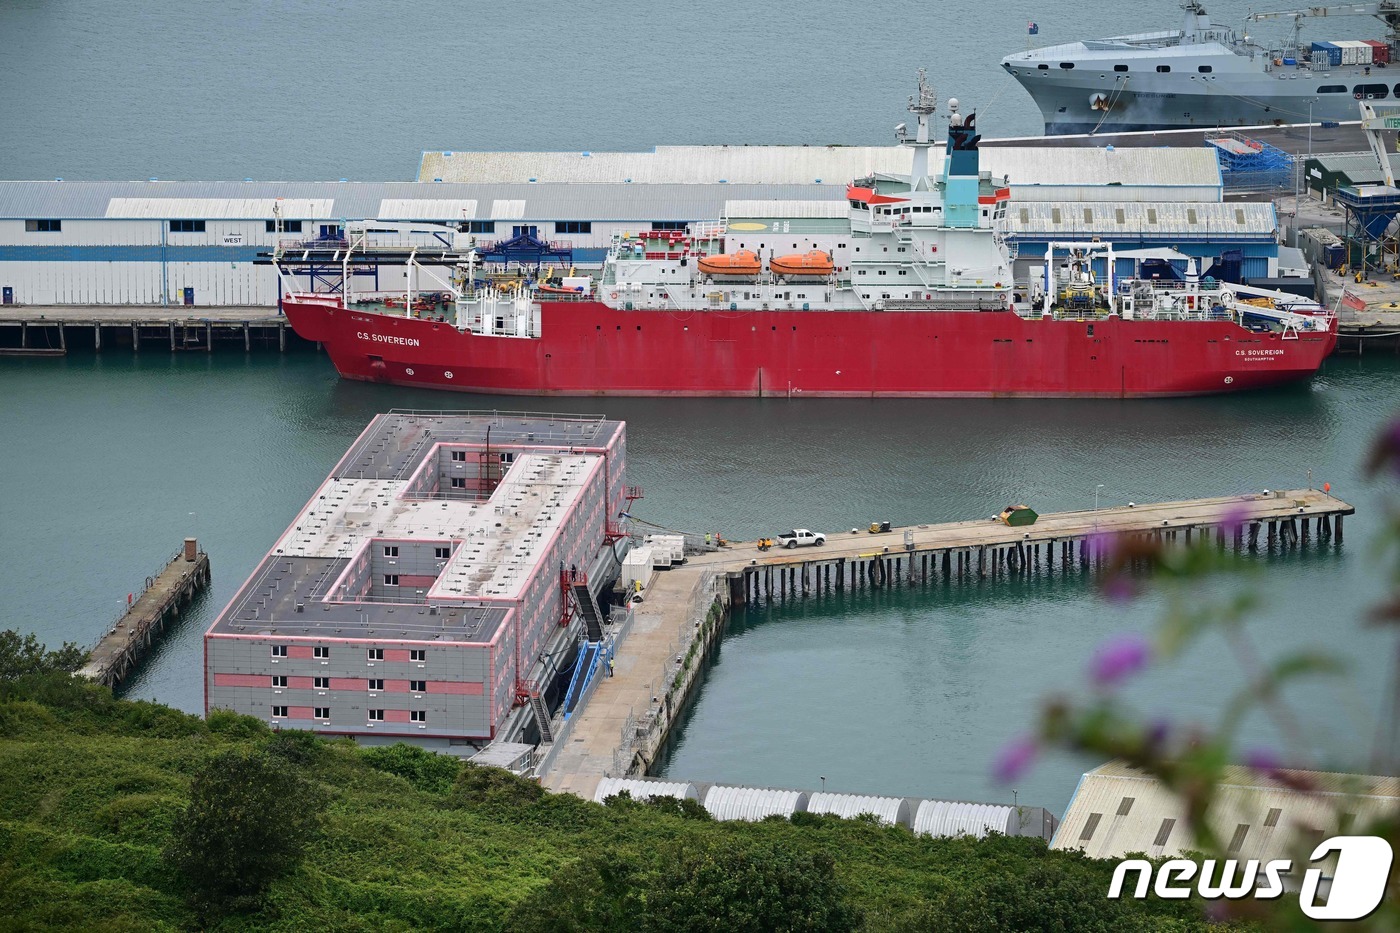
1262 760
1119 588
1015 759
1103 544
1386 450
1234 518
1156 734
1119 658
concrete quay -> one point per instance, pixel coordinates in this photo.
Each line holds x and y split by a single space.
49 330
629 716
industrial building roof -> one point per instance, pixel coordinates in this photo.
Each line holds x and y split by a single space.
1118 809
1168 218
892 811
753 803
311 200
644 789
827 165
1361 167
954 818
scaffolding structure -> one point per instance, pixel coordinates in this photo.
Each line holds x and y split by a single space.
1248 164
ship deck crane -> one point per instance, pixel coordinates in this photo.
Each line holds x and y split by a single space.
1374 123
1388 11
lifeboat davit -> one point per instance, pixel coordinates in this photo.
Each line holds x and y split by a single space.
744 262
811 263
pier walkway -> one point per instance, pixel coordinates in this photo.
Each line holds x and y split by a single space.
123 646
629 716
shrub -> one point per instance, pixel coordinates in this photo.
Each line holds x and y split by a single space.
421 768
484 786
249 821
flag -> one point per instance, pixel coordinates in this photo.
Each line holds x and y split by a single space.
1355 302
1033 28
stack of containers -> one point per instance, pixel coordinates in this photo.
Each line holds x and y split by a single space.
670 549
1354 52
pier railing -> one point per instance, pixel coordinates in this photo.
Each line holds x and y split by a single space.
136 596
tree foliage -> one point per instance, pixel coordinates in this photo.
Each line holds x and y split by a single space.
23 655
249 821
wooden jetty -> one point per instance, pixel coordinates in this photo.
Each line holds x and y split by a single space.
121 649
53 328
629 716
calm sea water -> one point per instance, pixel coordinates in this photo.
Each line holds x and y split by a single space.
109 461
298 89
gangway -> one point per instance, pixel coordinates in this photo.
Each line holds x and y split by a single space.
587 606
584 669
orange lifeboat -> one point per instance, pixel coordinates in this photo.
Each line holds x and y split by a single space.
744 262
811 263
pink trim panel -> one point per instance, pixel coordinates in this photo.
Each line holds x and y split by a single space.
300 712
242 680
301 683
395 654
455 688
396 715
349 683
415 579
395 686
299 651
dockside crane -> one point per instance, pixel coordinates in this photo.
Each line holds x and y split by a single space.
1387 11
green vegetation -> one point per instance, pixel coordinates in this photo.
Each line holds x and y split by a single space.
119 815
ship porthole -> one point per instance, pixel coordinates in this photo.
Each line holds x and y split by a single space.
447 374
1229 379
408 372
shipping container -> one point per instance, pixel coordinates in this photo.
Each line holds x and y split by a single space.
1380 52
1329 51
1350 52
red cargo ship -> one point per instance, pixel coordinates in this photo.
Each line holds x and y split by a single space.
669 316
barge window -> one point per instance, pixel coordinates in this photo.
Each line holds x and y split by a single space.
186 226
288 226
460 456
417 686
321 651
442 553
376 684
391 579
43 226
279 712
323 683
1120 68
376 715
573 226
279 651
459 482
323 712
418 654
1164 69
418 715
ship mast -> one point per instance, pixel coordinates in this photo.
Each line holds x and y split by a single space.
923 105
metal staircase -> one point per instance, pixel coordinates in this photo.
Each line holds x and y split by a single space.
592 618
541 709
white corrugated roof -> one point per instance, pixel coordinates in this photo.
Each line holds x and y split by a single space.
948 818
426 209
1168 217
503 209
786 208
753 803
890 810
827 165
1118 809
217 208
643 789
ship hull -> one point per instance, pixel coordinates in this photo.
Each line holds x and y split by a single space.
591 349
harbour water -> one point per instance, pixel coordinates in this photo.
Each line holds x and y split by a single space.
307 91
109 461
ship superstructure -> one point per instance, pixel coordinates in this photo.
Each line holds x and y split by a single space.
1209 75
919 301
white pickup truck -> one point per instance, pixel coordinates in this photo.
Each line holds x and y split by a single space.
801 536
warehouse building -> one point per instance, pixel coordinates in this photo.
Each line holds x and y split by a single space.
422 591
1118 810
1326 172
197 243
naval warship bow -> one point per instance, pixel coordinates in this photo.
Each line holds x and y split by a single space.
1208 75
